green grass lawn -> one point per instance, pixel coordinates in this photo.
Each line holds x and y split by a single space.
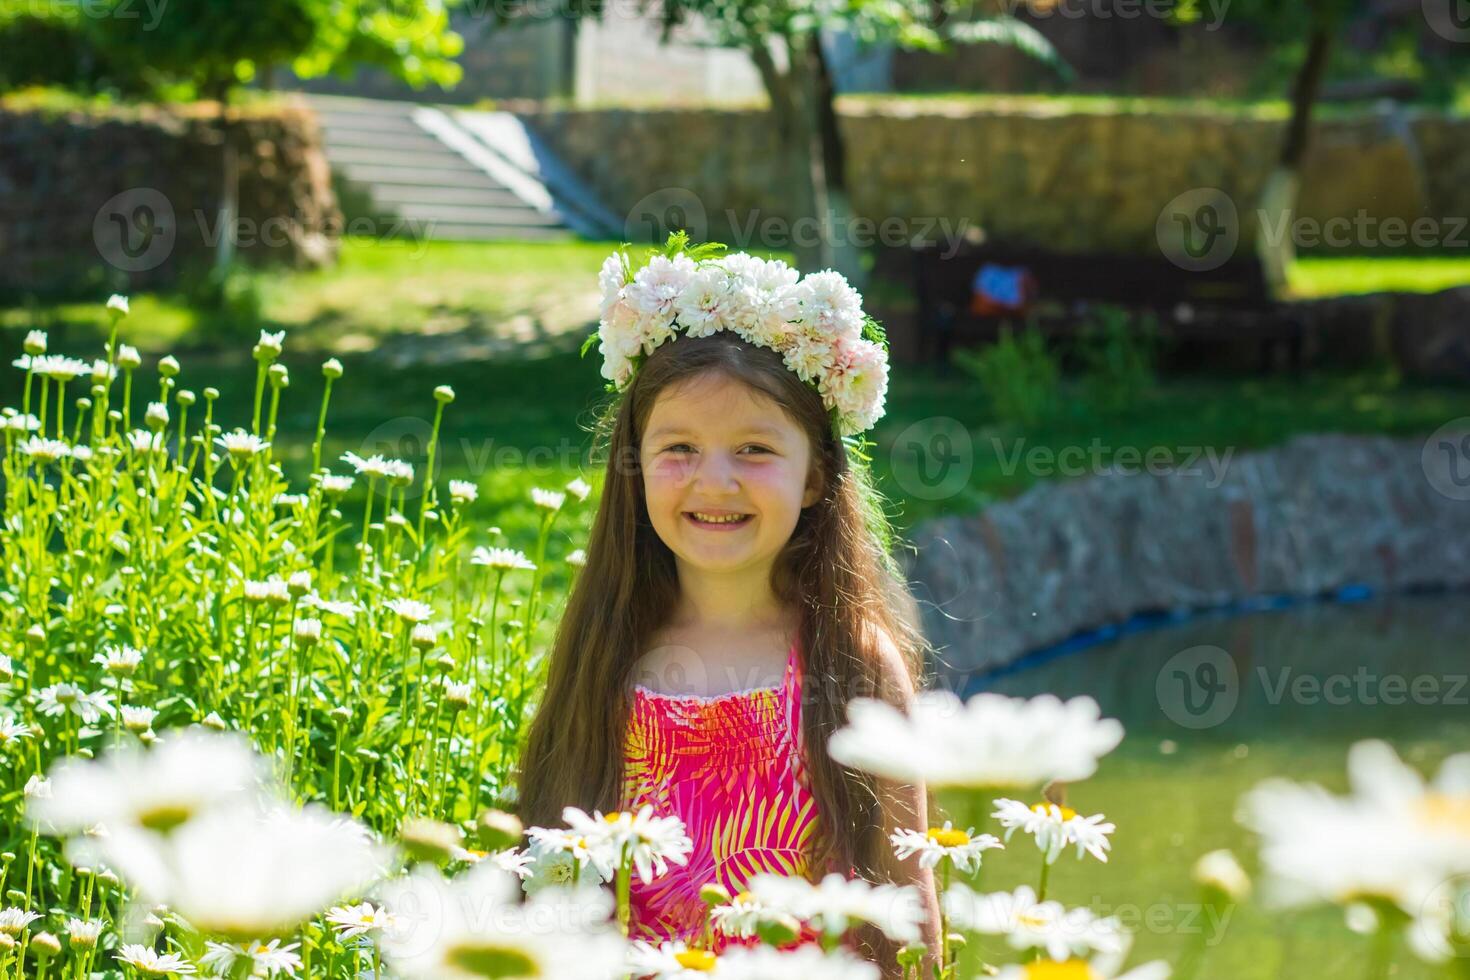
1314 276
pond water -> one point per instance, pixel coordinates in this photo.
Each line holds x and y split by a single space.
1211 707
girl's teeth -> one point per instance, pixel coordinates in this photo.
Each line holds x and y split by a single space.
710 519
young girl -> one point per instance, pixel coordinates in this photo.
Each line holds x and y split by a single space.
737 592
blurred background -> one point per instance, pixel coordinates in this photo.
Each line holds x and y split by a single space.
1177 293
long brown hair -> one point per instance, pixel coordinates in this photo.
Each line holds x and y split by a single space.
837 571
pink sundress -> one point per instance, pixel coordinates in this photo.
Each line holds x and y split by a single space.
731 768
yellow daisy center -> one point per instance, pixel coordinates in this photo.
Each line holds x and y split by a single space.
1067 812
1444 812
743 898
165 816
487 960
1045 969
696 959
948 837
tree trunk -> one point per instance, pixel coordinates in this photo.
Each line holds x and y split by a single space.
819 222
847 252
1278 197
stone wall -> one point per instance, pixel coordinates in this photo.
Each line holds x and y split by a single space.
1304 519
130 197
1022 169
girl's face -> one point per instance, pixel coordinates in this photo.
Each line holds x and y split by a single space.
725 474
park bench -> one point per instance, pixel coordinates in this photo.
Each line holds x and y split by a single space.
1232 303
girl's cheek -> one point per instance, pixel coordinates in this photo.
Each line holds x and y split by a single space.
669 473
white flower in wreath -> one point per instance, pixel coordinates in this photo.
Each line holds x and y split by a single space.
654 293
709 302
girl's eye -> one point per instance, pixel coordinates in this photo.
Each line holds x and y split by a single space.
678 447
759 449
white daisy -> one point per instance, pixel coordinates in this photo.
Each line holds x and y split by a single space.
275 590
579 488
805 962
13 921
410 610
379 467
650 843
44 450
463 491
990 741
154 789
151 964
476 926
742 916
1312 841
240 871
559 854
121 659
138 720
548 499
672 960
1027 923
358 920
266 959
83 933
1054 827
335 484
12 731
962 847
1220 870
834 904
241 445
60 698
507 558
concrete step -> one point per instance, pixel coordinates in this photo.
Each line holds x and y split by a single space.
344 139
436 176
392 155
433 194
461 214
489 233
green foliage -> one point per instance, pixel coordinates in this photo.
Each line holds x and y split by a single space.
1117 353
209 47
1018 374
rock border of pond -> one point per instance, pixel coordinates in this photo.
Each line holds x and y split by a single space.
1320 515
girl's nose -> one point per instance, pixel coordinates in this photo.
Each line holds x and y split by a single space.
715 474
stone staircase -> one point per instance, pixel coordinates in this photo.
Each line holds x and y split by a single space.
423 170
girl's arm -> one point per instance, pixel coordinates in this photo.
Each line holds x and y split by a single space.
905 805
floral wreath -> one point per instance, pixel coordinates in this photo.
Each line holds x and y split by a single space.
815 322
